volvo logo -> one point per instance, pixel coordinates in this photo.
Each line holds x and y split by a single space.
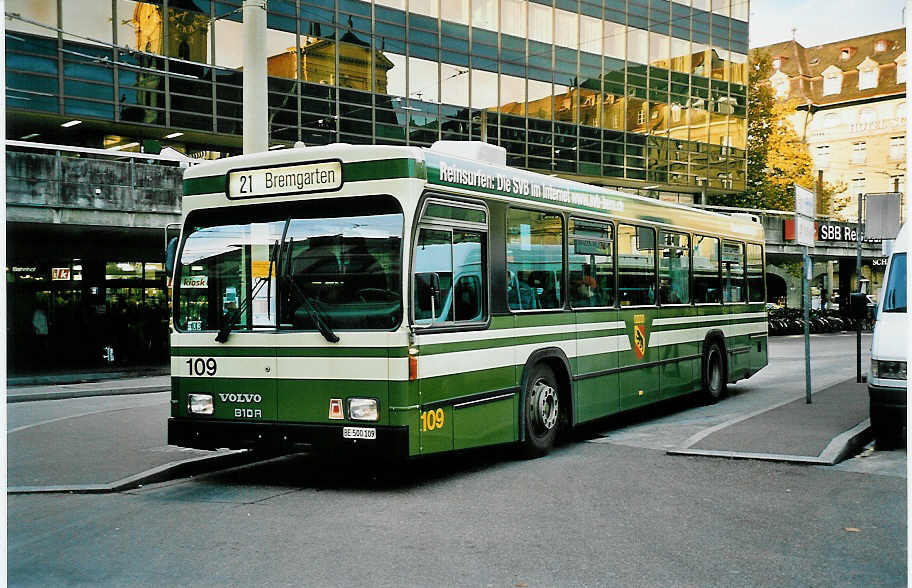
240 398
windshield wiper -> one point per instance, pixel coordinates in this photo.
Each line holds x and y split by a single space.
315 315
230 320
284 274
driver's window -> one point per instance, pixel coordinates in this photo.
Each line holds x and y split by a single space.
433 276
449 265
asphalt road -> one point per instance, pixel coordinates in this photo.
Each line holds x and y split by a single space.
608 509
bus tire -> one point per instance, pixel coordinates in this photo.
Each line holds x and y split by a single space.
714 376
541 411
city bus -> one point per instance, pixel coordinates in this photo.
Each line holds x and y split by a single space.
402 301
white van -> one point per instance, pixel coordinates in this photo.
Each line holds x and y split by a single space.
887 383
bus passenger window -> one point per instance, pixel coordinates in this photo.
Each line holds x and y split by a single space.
707 285
674 268
534 260
756 292
591 263
636 265
733 272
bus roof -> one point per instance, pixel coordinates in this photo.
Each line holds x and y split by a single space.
356 163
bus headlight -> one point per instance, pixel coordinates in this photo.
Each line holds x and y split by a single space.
200 403
888 370
363 409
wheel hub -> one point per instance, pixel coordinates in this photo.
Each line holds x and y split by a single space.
543 406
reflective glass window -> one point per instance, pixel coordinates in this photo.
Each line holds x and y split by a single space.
513 95
484 89
423 80
281 55
566 29
513 18
534 260
539 99
590 35
229 50
637 45
139 26
457 12
541 21
454 84
89 22
658 49
615 36
680 55
484 14
390 70
425 7
355 55
636 265
40 11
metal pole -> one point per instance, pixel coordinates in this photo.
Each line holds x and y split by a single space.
858 288
255 123
807 332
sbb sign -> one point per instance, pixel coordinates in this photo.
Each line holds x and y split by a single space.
831 232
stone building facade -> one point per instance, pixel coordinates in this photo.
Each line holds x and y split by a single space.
851 109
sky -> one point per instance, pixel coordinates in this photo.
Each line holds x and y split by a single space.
821 21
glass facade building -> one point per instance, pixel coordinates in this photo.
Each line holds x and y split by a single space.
635 93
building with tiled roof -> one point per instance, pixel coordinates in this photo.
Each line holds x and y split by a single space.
851 107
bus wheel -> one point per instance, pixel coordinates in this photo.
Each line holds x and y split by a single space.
713 373
541 411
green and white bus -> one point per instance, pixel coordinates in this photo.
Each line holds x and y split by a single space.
403 301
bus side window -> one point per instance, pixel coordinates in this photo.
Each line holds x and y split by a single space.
756 292
591 263
636 265
535 257
707 284
733 272
674 268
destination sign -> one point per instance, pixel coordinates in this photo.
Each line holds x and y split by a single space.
290 179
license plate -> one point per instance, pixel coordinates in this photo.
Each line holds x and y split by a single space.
359 433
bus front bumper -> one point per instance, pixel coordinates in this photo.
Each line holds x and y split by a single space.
390 442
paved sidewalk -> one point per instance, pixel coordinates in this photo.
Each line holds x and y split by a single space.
107 387
831 428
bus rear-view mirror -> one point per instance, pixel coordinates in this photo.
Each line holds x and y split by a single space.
170 254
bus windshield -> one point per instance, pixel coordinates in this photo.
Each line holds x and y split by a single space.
340 263
895 291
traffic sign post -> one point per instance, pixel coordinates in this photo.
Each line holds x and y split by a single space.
805 213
